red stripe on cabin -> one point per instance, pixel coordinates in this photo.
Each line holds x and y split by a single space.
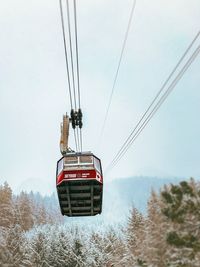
78 174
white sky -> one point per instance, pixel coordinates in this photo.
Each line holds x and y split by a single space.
33 87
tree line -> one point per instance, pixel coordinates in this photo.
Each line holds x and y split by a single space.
32 233
27 210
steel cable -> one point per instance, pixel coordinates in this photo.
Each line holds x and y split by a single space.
65 49
77 55
75 139
127 145
159 92
118 68
71 53
77 135
80 138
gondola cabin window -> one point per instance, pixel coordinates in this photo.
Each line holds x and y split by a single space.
77 162
97 165
86 162
60 166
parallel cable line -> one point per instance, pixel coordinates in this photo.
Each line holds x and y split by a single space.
159 93
75 139
125 147
78 139
161 101
118 68
81 140
77 55
65 49
71 52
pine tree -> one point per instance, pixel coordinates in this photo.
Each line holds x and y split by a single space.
58 248
25 216
42 217
136 238
105 249
37 250
39 209
157 225
182 209
4 251
53 214
13 251
6 207
96 250
116 249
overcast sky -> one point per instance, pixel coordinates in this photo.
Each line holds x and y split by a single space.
33 87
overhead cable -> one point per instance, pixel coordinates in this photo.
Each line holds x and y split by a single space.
81 139
171 87
65 49
75 97
75 139
78 138
135 133
71 52
77 55
160 91
77 72
118 68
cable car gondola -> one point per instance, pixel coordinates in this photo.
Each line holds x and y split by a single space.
79 179
79 184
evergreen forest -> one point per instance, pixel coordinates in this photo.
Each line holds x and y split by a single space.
34 233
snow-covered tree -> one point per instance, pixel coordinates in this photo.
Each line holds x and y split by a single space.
12 253
45 210
136 238
24 211
106 248
36 250
156 226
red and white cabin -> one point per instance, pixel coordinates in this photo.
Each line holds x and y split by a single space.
79 183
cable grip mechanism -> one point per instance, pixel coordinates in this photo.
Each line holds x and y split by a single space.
76 118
